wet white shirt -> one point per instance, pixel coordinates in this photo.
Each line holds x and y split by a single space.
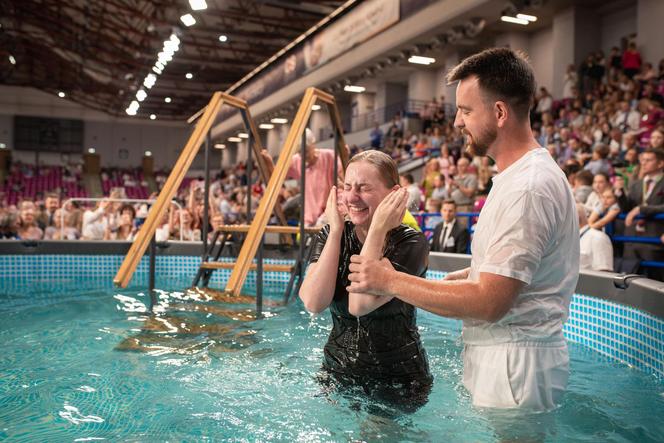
528 230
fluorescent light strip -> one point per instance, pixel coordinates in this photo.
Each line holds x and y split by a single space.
279 120
530 18
188 20
197 5
243 135
234 139
219 146
419 60
266 126
510 19
315 108
288 47
356 89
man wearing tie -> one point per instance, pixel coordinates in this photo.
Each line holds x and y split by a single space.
646 198
449 236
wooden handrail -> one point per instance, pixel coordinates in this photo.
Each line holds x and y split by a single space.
269 199
203 126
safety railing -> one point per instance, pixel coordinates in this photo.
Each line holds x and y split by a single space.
422 217
111 200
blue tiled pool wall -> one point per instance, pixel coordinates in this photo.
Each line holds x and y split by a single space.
621 332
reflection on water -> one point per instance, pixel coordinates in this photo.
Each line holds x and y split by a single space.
195 321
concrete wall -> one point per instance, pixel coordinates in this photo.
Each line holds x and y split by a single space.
616 26
563 48
649 21
541 49
106 134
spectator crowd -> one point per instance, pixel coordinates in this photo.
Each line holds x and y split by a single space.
606 132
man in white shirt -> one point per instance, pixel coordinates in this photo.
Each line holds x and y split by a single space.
596 250
514 298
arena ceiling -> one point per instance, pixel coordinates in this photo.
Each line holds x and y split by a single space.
98 52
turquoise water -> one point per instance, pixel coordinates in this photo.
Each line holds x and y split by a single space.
92 364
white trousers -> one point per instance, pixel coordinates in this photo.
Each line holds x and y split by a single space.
528 375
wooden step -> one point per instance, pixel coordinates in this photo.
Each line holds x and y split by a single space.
266 267
271 228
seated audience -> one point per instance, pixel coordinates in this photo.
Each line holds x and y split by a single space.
450 236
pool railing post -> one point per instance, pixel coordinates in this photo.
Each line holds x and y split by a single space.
259 278
300 254
153 252
250 162
206 196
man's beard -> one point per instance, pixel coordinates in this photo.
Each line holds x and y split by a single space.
479 145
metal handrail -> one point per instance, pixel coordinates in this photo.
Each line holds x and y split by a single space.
108 199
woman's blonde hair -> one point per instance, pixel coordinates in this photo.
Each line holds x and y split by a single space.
383 162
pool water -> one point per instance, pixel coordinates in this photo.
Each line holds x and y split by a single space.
92 364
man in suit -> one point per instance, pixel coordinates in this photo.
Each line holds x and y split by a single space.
449 236
645 198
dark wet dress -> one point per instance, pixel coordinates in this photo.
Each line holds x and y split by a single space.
383 346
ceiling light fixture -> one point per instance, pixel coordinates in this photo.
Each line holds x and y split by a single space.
234 139
91 151
149 80
220 146
153 117
279 120
266 126
188 20
61 94
167 99
353 88
315 107
197 5
243 135
3 146
530 18
12 60
420 60
223 38
132 108
141 95
510 19
148 153
189 75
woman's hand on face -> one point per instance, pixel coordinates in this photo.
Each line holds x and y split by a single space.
332 213
390 211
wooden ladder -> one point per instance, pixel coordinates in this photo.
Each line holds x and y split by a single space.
254 237
199 135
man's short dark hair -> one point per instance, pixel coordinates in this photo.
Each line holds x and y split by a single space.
449 201
659 153
585 177
502 74
409 178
